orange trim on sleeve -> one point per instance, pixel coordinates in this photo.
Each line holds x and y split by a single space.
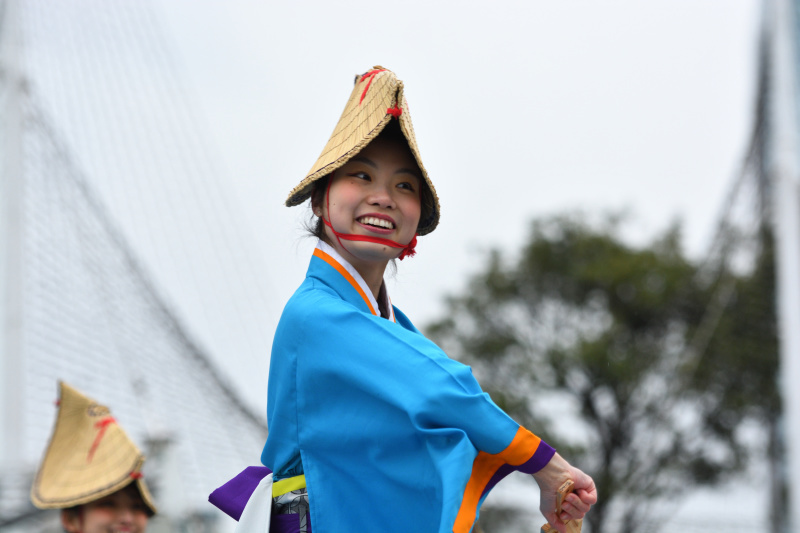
341 270
521 449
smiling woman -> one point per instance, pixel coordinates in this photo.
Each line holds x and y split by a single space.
374 203
372 426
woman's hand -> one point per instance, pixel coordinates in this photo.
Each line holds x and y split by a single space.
576 504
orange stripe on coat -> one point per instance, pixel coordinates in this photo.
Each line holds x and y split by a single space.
484 467
339 268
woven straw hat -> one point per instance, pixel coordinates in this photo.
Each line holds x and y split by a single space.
89 457
376 99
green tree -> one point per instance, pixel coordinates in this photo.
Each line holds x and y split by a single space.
603 349
739 368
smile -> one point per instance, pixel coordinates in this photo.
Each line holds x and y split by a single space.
377 222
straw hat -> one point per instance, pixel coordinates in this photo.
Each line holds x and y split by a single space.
377 97
89 456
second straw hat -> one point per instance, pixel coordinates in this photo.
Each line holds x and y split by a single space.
89 457
376 99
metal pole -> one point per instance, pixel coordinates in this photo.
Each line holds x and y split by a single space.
11 382
785 172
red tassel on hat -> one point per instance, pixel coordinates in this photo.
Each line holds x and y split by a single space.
409 250
395 111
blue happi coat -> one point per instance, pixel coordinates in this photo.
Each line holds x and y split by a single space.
391 434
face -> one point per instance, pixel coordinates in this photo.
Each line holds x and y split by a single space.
377 193
123 511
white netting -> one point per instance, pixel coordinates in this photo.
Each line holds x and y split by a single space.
138 283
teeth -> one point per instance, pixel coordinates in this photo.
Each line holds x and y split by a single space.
373 221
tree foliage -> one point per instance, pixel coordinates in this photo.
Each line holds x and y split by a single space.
625 358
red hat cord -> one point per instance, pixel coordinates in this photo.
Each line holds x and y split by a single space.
101 430
368 76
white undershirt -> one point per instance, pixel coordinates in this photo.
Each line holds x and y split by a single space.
387 303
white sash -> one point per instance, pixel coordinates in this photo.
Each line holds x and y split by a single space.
256 515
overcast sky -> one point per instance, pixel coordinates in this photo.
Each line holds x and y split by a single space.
522 109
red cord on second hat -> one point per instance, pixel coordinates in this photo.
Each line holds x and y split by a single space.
101 425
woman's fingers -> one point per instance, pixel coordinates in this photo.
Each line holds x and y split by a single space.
574 508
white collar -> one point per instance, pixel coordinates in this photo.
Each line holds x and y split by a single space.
331 251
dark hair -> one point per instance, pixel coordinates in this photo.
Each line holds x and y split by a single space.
72 512
315 226
393 132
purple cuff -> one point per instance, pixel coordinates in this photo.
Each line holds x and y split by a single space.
544 452
233 495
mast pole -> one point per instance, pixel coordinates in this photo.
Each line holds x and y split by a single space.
785 172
